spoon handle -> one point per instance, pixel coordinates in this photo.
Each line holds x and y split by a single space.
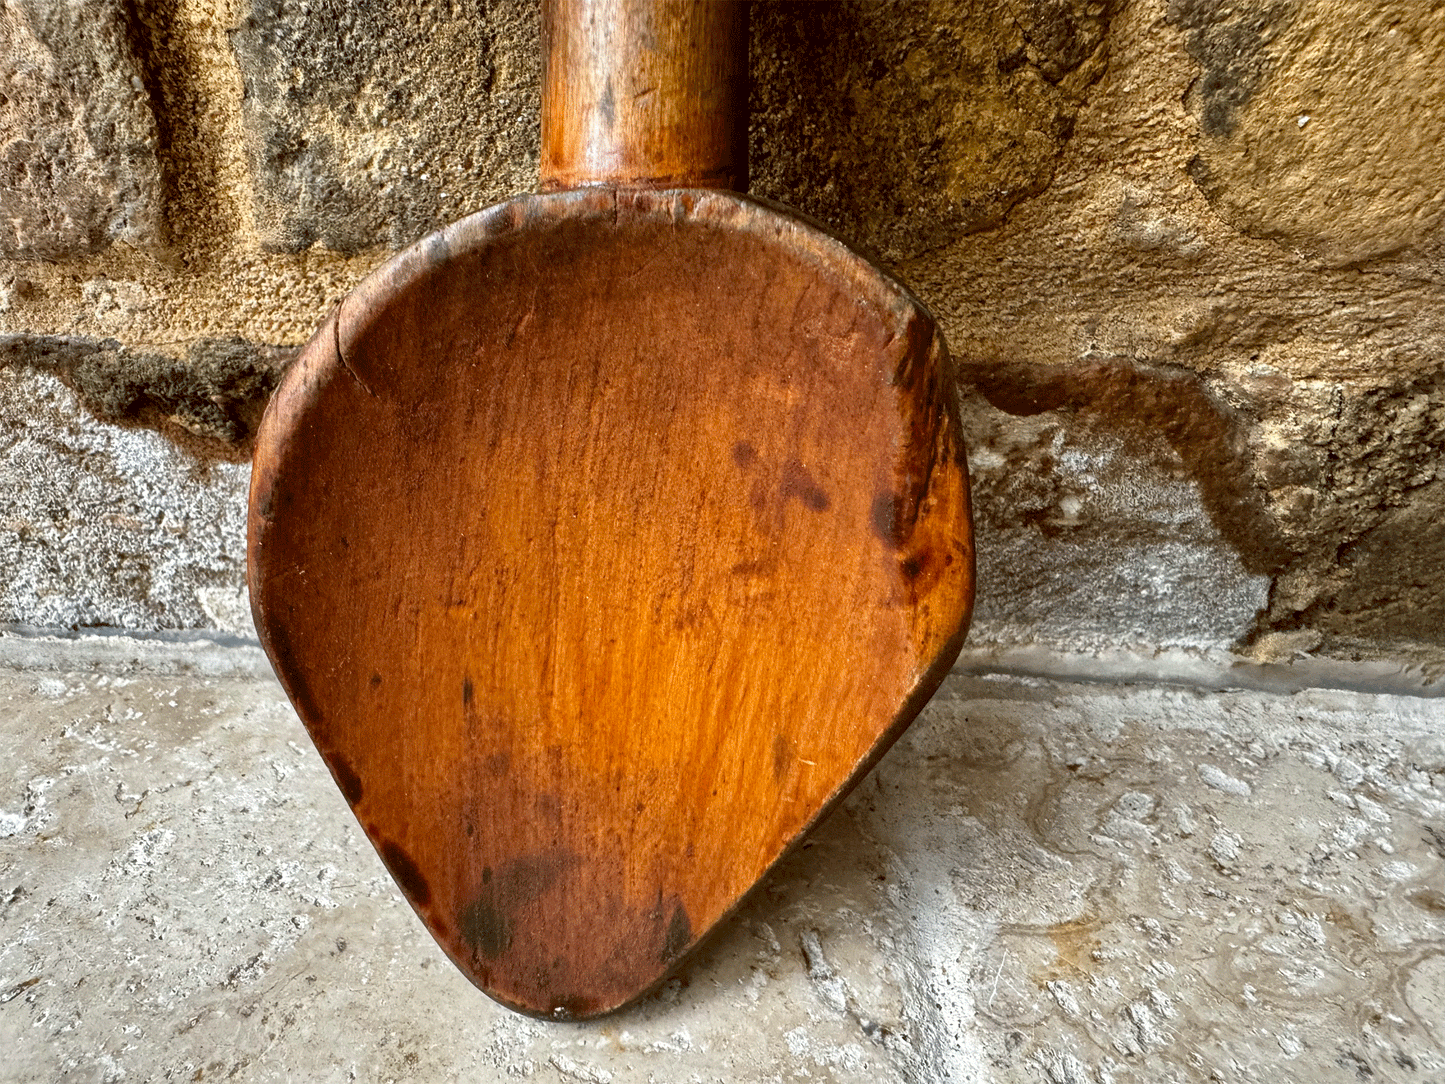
644 94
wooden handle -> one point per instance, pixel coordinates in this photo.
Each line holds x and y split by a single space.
645 93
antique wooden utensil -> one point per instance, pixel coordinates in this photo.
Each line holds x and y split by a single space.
605 538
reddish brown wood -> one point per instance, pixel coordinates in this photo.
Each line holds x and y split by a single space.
602 541
645 93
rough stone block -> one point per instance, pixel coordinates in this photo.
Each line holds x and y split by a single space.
1355 481
1112 494
905 126
210 401
373 123
1321 123
78 161
109 526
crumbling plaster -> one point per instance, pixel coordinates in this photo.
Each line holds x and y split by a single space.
1186 253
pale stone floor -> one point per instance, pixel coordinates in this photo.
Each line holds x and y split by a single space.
1043 881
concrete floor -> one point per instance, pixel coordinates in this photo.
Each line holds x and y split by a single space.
1044 881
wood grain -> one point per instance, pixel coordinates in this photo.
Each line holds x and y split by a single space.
645 93
602 541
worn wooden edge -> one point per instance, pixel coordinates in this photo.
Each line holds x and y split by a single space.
928 684
317 364
803 235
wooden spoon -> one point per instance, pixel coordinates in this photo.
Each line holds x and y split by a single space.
605 538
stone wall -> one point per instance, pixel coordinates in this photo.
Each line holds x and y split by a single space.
1188 255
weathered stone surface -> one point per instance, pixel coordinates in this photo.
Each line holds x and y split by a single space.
1321 121
1390 588
1311 510
1312 424
1040 883
905 126
902 125
1193 376
1113 507
78 140
373 123
210 401
107 526
196 92
1354 478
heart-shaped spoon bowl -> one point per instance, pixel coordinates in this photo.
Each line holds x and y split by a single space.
602 541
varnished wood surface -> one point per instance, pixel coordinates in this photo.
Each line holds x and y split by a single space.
645 93
602 540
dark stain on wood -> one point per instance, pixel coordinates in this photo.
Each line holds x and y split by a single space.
276 639
888 524
484 928
800 485
406 873
744 454
679 935
524 879
782 756
346 778
607 106
467 692
507 898
757 568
